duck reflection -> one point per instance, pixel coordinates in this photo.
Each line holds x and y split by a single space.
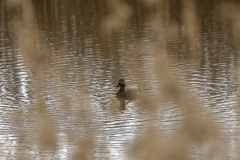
129 93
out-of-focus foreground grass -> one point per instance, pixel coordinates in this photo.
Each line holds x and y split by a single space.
196 129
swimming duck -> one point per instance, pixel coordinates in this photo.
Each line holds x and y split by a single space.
126 93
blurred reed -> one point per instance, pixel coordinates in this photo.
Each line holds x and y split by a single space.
196 128
43 131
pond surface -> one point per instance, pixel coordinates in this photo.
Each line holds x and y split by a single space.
78 82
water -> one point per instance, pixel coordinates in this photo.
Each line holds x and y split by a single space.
81 74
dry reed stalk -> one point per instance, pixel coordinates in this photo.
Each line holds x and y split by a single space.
26 31
24 27
195 128
191 23
120 13
43 134
149 145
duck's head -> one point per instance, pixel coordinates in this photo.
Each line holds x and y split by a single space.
121 83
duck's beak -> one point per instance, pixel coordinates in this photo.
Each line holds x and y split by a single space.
118 85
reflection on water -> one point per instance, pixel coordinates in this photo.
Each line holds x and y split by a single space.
83 70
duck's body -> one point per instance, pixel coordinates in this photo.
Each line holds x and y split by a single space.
126 93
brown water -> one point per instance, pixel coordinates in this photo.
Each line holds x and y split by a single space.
84 66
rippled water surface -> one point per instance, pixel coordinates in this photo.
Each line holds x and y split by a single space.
80 77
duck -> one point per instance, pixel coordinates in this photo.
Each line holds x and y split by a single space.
126 93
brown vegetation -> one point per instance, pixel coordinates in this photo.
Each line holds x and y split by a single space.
196 129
